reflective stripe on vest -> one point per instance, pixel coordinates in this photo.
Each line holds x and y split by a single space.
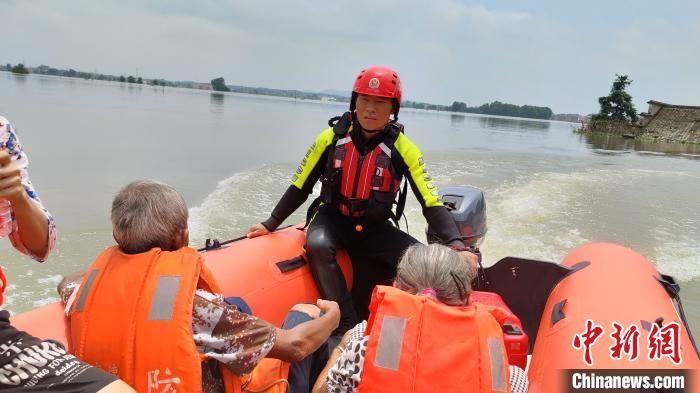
163 301
419 345
496 355
390 343
87 285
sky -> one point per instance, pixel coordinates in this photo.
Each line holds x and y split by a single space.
561 54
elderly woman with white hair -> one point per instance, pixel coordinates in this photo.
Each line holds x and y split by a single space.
423 335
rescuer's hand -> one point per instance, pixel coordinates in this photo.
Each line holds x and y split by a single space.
471 258
256 230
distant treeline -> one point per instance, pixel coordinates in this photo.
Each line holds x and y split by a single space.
71 73
304 95
493 108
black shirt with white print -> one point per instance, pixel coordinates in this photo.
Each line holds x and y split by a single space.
29 364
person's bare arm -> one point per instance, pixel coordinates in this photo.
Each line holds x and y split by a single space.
117 386
300 341
320 385
68 279
32 225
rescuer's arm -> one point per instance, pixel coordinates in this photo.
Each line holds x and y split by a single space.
306 175
411 164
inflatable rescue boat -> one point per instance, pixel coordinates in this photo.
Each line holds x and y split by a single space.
549 311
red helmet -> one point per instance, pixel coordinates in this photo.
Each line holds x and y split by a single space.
378 81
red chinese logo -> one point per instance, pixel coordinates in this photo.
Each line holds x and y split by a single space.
627 343
665 341
587 339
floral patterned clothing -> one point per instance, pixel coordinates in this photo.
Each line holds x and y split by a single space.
10 143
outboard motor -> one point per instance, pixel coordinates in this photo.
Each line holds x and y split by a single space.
467 207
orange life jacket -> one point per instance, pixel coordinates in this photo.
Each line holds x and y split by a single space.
417 344
133 318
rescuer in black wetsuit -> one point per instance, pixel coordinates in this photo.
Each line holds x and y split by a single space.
361 161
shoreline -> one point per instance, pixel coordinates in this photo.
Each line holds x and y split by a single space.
331 99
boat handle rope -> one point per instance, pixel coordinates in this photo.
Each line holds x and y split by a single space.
214 244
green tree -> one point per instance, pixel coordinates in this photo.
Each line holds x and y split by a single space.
219 84
139 81
19 69
458 107
131 79
122 79
618 104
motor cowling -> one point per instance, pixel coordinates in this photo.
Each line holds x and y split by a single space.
467 206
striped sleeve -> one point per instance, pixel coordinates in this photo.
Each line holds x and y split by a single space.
312 158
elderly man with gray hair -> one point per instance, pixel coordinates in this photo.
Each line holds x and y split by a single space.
421 328
149 311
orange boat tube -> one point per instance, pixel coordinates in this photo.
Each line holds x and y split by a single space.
617 287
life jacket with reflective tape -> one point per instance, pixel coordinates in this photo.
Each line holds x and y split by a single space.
132 317
417 344
361 185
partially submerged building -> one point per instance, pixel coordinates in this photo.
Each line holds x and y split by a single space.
679 123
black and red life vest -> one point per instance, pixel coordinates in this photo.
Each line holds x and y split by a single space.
362 185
